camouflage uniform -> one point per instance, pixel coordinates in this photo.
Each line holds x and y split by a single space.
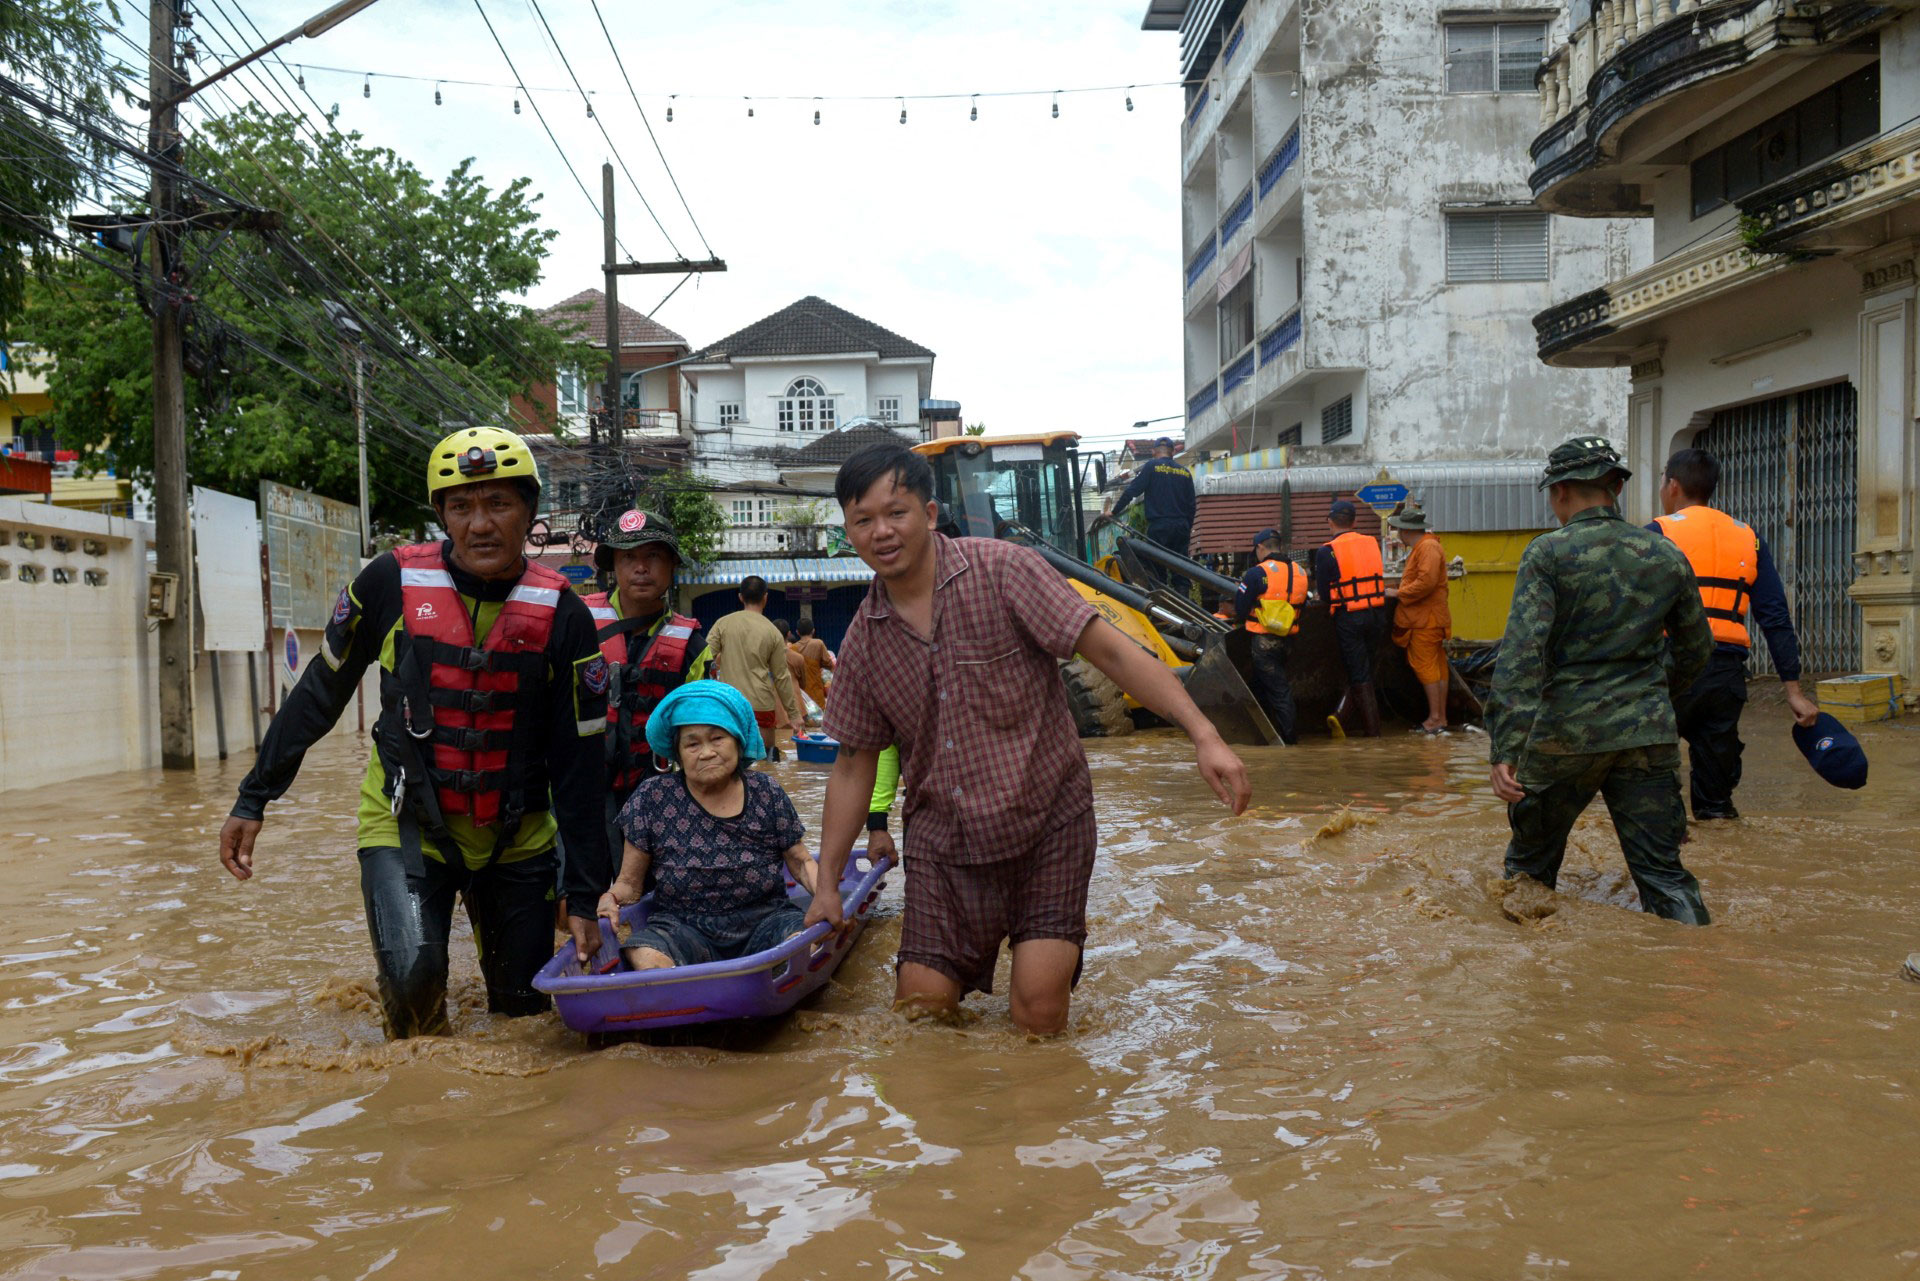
1606 625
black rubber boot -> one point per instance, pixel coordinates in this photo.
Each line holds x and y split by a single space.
1369 709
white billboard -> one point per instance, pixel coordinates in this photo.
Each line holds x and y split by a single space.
226 561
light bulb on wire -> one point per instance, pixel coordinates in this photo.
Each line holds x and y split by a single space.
1056 104
1129 97
670 98
816 113
301 78
516 104
436 91
974 112
903 111
589 103
749 102
366 87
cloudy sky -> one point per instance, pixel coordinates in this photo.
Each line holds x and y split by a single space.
1039 257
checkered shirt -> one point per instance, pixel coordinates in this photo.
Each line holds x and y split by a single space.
988 750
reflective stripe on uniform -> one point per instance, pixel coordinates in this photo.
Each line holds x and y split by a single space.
595 726
676 632
543 596
425 578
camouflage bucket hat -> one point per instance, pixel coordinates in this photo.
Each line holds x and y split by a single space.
636 528
1583 458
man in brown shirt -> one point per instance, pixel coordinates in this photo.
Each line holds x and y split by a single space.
750 654
954 656
1421 623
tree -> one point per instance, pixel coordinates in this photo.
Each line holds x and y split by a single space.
52 47
427 270
688 502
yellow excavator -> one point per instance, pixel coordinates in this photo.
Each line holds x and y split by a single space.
1026 489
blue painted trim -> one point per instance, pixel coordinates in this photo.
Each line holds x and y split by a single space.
1233 44
1238 372
1238 216
1280 161
1203 400
1202 260
1284 334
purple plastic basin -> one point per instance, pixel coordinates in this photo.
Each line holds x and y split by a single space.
762 985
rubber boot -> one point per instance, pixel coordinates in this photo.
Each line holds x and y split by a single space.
1369 709
1334 727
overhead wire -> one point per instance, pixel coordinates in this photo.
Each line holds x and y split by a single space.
622 64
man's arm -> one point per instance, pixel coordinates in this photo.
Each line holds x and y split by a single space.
1326 571
576 756
1246 598
1149 680
783 691
849 788
1135 487
1520 674
1425 574
1783 643
362 615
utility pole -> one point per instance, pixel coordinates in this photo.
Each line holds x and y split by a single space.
616 412
173 538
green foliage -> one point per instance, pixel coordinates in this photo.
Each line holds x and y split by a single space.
974 429
446 257
53 47
698 520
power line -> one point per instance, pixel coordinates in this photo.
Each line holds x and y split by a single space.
568 64
622 64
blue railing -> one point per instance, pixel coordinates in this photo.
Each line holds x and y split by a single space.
1238 216
1203 400
1198 105
1238 372
1284 334
1280 161
1201 260
1233 44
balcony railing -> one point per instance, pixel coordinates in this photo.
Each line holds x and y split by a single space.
1198 105
1238 372
1237 217
1281 160
1284 334
1203 400
1201 260
1233 44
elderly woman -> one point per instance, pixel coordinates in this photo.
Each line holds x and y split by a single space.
715 834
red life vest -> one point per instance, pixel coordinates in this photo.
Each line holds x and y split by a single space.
487 732
637 686
1725 555
1362 582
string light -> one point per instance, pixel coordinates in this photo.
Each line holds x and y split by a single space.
1056 105
516 104
974 112
436 95
749 102
816 113
1129 97
589 108
903 111
366 88
301 78
670 98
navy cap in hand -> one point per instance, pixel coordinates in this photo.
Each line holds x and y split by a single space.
1833 751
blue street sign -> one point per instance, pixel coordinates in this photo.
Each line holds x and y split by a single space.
578 575
1383 495
293 653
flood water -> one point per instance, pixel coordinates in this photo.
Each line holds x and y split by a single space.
1294 1055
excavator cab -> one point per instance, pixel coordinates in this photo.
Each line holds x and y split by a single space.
1026 489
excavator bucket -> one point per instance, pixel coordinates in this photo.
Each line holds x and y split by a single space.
1217 688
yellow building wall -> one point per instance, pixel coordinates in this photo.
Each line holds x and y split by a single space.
1480 601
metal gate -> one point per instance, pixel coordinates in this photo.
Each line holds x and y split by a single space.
1788 467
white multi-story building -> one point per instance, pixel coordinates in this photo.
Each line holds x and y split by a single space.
1773 149
769 406
1363 257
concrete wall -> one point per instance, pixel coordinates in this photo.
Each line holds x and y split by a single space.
1452 368
78 692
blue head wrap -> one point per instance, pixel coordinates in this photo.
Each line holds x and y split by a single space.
709 702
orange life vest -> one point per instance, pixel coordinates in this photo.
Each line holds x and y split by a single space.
474 705
1285 583
1725 555
1362 582
636 686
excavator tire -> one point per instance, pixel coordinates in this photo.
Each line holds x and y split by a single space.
1099 708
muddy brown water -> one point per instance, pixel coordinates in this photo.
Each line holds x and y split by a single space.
1294 1055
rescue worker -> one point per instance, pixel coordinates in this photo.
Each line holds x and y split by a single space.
1421 620
1606 623
1734 570
493 697
650 650
1167 488
1268 606
1350 577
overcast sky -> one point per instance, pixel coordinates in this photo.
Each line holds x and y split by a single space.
1039 257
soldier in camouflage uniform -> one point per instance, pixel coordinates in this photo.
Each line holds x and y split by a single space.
1606 624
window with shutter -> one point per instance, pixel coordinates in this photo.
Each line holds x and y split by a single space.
1493 57
1497 246
1336 421
1470 57
1291 436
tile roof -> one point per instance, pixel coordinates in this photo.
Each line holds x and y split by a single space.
835 447
812 327
585 317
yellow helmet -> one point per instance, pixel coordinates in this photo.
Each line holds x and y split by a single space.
474 454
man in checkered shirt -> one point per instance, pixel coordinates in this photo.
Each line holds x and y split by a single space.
954 656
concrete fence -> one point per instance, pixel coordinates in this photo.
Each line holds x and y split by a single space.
78 663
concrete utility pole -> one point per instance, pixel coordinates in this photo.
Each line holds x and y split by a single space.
616 417
173 534
616 412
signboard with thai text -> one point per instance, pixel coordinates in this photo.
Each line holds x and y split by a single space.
313 550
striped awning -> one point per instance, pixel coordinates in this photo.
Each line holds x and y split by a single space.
780 569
